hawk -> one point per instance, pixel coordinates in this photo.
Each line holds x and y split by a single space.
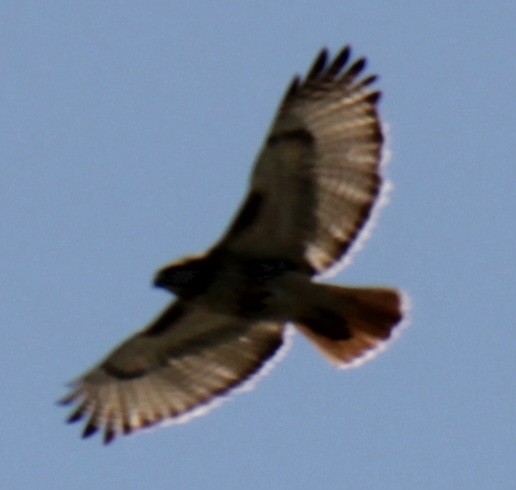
315 187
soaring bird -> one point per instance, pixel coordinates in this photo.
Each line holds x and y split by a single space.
314 191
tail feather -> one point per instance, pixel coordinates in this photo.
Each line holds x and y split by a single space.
355 324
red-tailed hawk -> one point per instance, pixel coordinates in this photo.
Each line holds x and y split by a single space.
314 189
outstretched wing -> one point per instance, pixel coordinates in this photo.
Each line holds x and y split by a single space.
317 176
177 368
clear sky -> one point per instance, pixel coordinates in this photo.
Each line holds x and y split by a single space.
128 133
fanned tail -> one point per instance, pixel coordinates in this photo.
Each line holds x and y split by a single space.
353 325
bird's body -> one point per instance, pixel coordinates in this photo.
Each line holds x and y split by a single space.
229 282
314 188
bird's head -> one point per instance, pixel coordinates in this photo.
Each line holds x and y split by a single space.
186 278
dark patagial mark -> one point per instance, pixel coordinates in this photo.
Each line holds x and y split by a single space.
248 213
300 135
122 374
199 343
165 321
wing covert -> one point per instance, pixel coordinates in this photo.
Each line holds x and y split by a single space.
317 176
178 368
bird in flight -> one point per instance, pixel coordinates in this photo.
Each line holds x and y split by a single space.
314 190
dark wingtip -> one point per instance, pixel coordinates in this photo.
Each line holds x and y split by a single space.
354 69
66 400
374 97
89 430
339 62
77 415
368 80
109 436
73 394
293 88
318 65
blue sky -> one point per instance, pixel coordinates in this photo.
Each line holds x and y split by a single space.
128 134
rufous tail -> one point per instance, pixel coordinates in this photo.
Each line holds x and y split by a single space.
353 325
